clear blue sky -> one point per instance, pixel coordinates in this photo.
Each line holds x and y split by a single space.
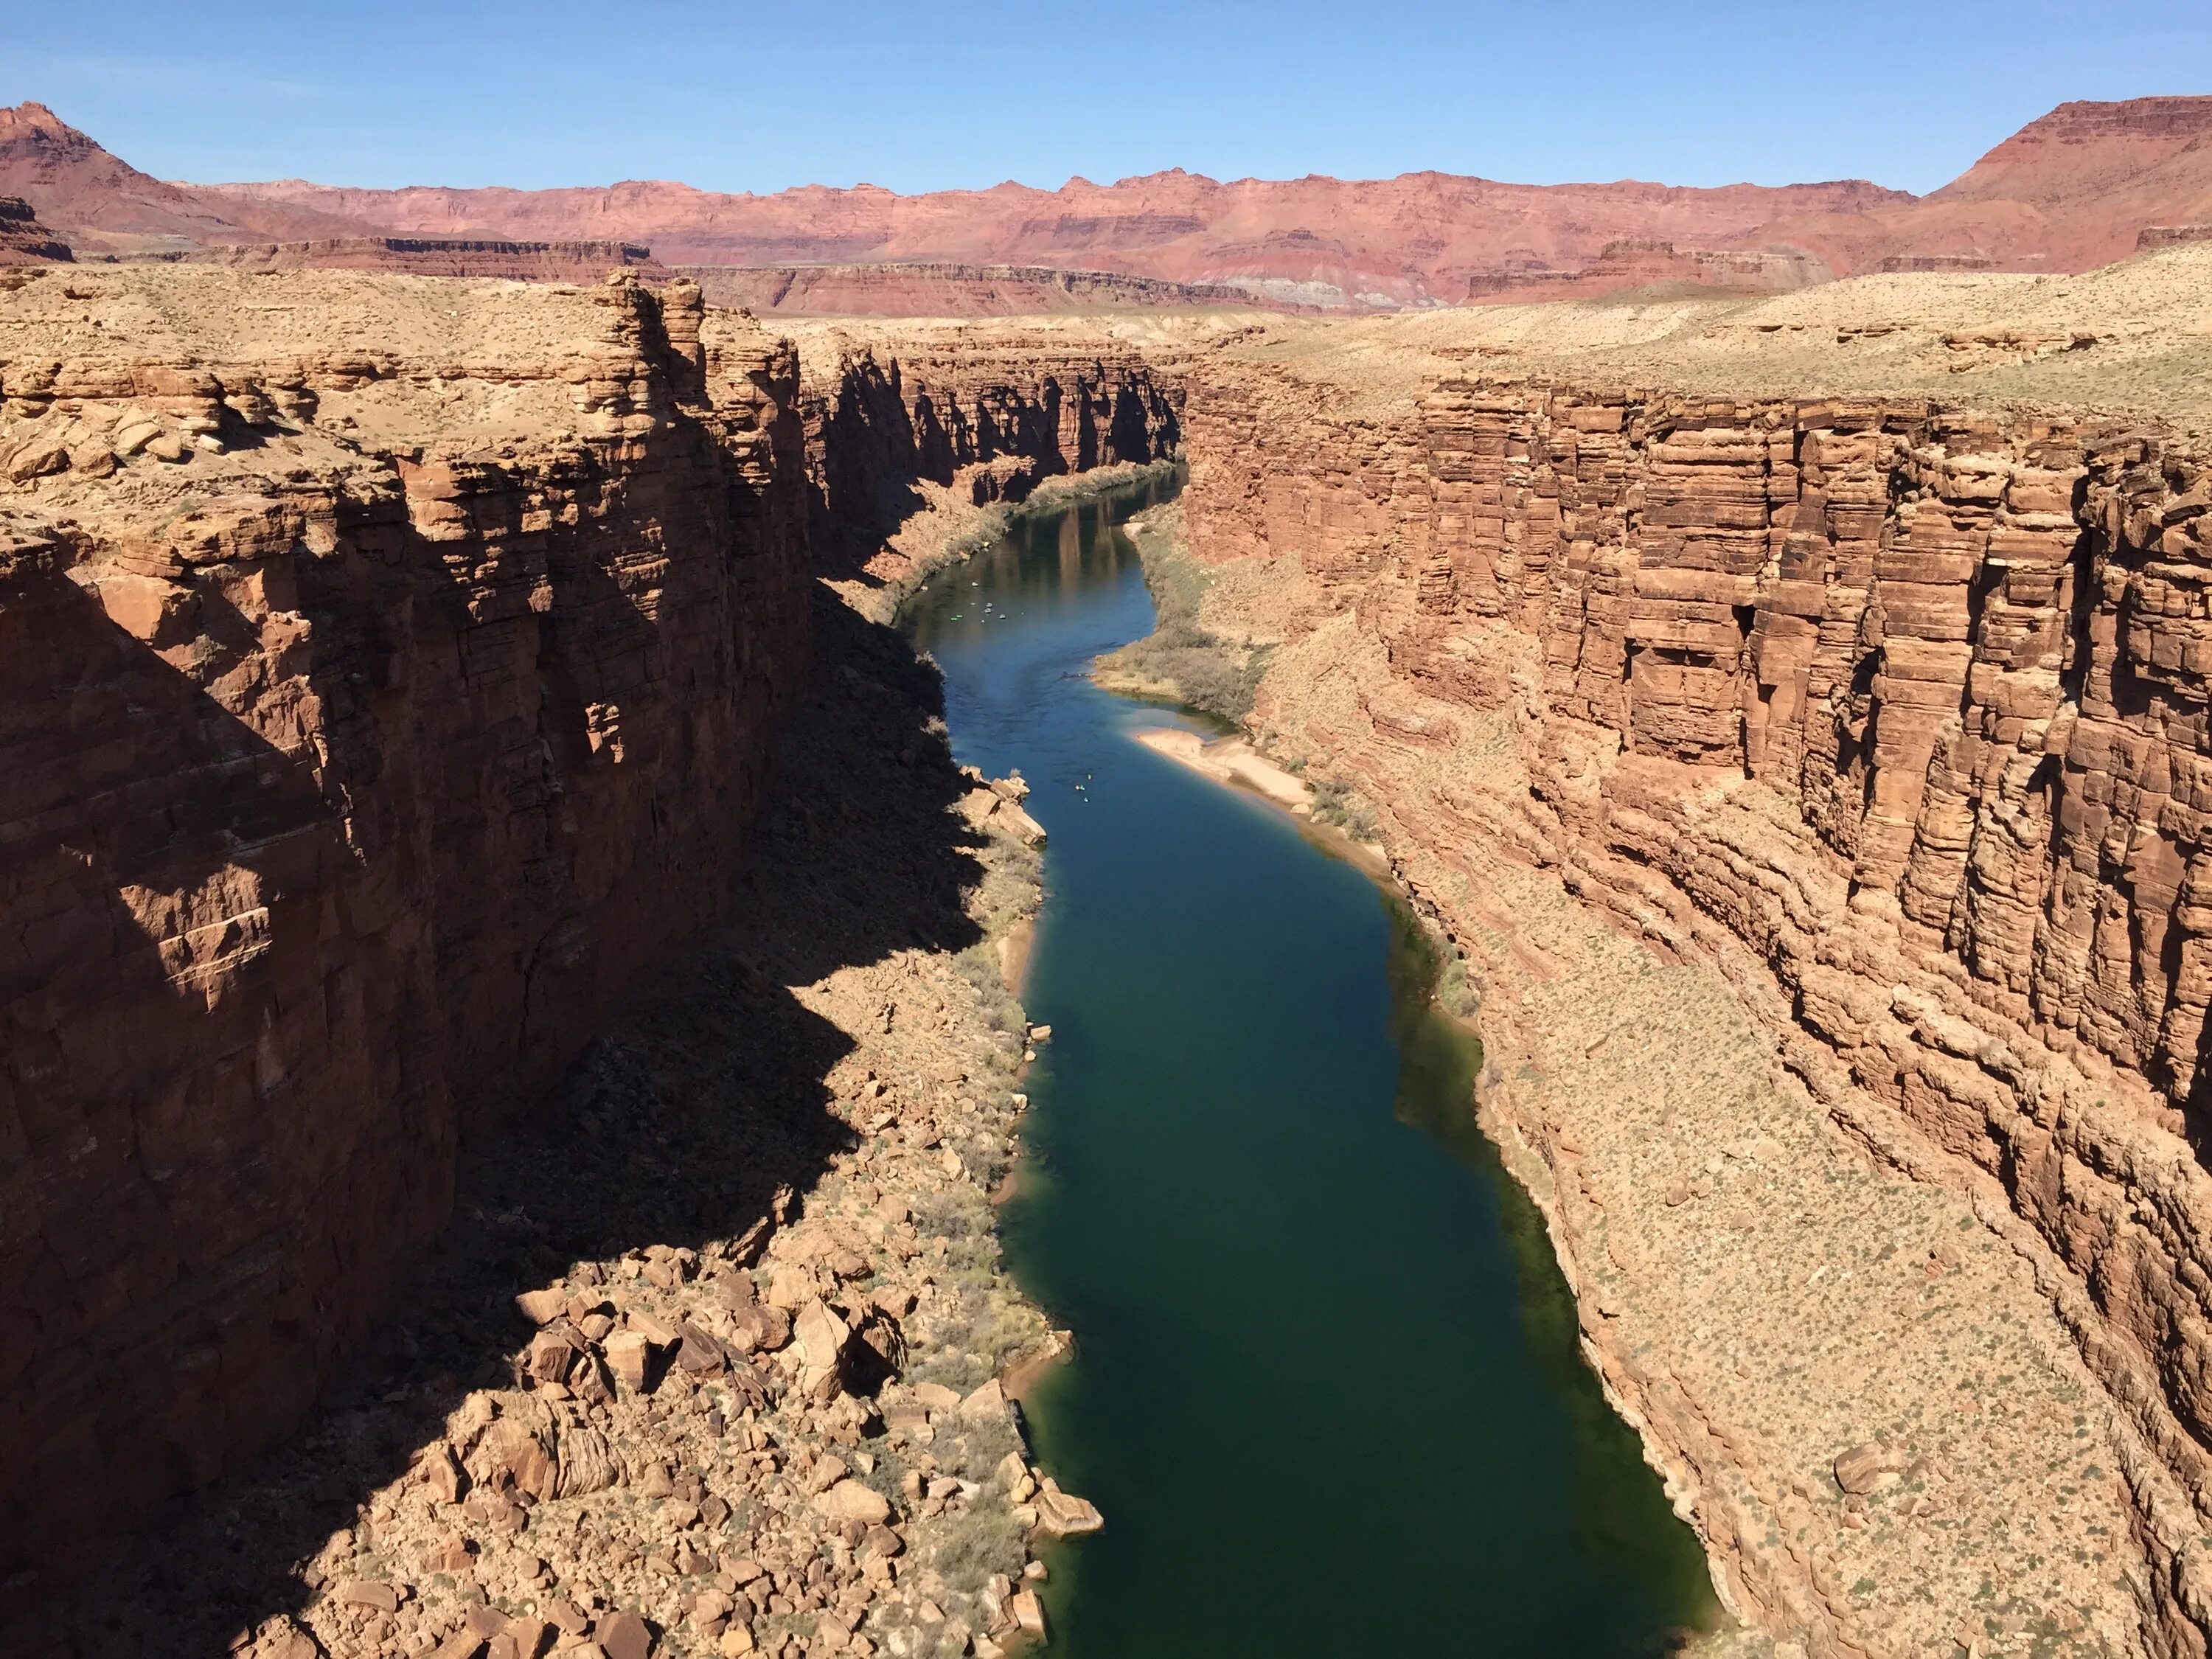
762 93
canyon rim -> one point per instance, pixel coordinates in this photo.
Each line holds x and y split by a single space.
512 1026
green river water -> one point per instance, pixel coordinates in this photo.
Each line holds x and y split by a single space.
1326 1388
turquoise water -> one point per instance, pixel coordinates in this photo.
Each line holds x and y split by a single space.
1326 1388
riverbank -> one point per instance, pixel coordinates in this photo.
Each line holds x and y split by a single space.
1855 1388
1232 761
1179 661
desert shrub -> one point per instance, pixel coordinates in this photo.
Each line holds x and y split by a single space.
1335 805
1456 993
1013 877
977 1541
1002 1010
1205 672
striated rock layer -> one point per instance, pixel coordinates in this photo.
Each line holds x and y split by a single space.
23 240
1894 712
945 290
420 256
388 668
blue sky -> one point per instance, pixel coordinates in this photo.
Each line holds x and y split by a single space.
760 95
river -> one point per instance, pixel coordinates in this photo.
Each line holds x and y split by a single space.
1326 1388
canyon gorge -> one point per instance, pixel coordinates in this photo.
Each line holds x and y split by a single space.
511 1036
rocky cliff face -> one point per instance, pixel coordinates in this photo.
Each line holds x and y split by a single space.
945 290
23 240
899 423
1894 712
388 669
423 255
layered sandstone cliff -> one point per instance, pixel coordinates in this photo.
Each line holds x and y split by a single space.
911 430
389 665
939 290
426 256
1881 714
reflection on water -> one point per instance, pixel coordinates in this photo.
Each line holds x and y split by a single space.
1327 1389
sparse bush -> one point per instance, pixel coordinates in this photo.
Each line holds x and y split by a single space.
1013 877
1180 661
1455 994
1336 805
977 1541
979 965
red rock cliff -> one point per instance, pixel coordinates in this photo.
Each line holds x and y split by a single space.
372 714
991 415
1894 712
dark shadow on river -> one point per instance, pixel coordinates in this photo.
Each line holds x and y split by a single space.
1327 1389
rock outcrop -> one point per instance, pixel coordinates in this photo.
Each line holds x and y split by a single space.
1657 268
24 240
389 668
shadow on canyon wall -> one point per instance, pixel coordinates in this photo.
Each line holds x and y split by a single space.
252 1004
692 1116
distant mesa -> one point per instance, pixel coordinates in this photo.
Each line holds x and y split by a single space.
2086 184
1655 268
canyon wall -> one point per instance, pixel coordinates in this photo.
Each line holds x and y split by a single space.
983 419
1894 713
421 256
945 290
388 667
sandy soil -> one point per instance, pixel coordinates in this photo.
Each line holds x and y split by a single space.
1232 761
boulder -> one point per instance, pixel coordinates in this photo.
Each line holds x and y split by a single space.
1868 1468
821 1335
1064 1514
628 1354
849 1500
372 1592
623 1636
986 1405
